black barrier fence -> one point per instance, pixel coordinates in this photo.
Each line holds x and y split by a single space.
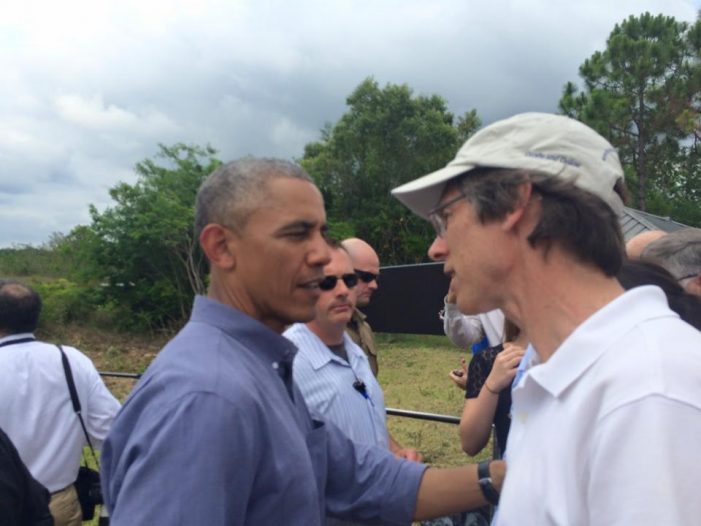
408 299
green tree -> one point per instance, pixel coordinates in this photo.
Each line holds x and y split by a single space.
143 249
642 93
386 137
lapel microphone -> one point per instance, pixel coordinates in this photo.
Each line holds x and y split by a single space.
359 386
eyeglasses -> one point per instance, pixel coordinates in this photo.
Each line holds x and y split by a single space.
437 215
678 279
367 277
329 282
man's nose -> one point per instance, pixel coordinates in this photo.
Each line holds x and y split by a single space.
438 250
320 253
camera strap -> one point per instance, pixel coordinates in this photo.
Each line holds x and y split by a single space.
75 401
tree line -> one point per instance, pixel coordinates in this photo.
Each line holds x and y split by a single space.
137 264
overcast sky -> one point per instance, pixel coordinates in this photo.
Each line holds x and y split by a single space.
90 88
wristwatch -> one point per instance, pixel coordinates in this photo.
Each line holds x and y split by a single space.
485 481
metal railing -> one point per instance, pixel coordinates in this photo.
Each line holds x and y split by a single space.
418 415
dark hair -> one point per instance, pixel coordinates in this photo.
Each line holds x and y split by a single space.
20 307
579 221
635 273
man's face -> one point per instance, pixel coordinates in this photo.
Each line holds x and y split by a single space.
366 261
335 306
280 254
473 255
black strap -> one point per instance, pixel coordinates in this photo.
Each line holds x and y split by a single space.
485 482
21 340
74 399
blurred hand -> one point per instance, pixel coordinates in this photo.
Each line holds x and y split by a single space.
459 375
504 368
409 453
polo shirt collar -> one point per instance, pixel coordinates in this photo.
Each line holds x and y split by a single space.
597 336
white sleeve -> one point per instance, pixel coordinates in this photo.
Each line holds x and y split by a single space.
462 330
102 408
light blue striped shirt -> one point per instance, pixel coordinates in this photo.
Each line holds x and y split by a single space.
326 382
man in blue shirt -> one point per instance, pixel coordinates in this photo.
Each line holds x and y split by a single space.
215 432
333 372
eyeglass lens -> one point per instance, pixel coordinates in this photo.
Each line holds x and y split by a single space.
329 282
366 277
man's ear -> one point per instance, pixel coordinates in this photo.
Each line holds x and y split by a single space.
217 243
694 286
516 216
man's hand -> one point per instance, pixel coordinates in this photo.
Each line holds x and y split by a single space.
459 375
409 453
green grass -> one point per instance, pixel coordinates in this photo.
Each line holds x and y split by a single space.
414 375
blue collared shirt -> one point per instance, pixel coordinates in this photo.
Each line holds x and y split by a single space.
326 381
216 433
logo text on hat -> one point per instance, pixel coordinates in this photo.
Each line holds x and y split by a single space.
558 157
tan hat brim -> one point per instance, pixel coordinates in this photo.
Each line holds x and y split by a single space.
422 195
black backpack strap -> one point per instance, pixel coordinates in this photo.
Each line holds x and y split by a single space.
21 340
75 400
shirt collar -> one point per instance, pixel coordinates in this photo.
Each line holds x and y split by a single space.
358 316
251 333
319 355
599 334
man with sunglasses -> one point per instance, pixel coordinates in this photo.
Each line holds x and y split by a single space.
367 266
332 371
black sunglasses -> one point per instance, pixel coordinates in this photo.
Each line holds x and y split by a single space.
329 282
367 277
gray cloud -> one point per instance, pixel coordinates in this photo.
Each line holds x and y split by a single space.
89 89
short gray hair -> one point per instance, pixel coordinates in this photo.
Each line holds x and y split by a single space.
679 252
234 190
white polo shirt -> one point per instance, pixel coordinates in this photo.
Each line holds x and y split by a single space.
36 410
607 430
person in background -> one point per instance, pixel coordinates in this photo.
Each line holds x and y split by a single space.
636 244
638 273
680 253
333 373
478 332
36 410
23 500
487 382
367 266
